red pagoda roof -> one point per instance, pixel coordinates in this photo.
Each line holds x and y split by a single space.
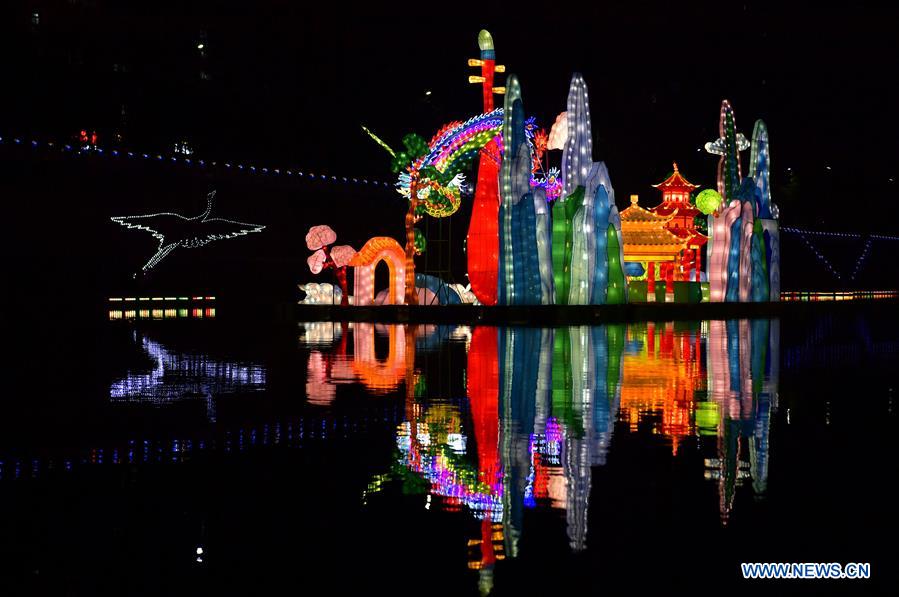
676 181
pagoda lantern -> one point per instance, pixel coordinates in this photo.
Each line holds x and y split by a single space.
677 206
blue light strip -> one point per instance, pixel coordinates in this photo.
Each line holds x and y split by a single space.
821 257
859 262
99 151
861 258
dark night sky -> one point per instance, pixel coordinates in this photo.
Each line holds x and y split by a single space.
289 84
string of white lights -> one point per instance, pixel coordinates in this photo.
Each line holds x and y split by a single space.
96 150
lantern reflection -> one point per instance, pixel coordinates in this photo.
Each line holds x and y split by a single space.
543 406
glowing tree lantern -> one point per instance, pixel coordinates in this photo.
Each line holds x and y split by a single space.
337 258
708 201
380 248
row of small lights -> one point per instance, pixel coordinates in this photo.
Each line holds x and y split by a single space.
866 250
839 234
858 263
816 295
277 171
821 257
201 163
143 299
137 450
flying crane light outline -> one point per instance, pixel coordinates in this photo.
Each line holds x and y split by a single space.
191 233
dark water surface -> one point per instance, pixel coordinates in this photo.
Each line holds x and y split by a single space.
196 456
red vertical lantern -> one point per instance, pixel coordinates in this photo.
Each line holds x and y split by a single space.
483 233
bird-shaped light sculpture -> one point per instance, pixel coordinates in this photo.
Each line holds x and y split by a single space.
174 230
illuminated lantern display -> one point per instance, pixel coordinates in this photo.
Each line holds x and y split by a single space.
744 255
544 246
582 246
617 290
558 134
523 280
377 249
513 138
542 408
320 294
747 223
602 204
337 258
555 237
563 215
768 213
439 292
648 240
430 176
577 159
708 201
676 203
482 244
585 259
720 247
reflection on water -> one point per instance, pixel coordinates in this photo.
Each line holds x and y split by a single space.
543 406
174 376
527 460
328 368
167 313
